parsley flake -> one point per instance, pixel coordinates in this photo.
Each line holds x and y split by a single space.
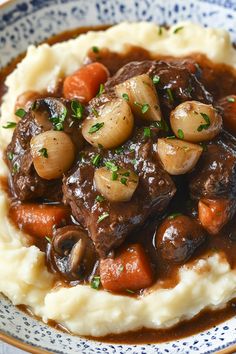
58 121
231 99
170 95
101 90
119 150
114 176
15 168
207 120
9 125
94 128
125 97
95 49
77 109
126 174
20 113
161 124
180 134
178 29
10 156
144 107
48 239
123 180
130 291
111 166
44 152
95 112
156 79
121 268
96 160
174 215
147 132
160 31
95 282
99 199
102 217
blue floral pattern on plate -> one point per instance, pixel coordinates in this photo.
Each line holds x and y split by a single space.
25 22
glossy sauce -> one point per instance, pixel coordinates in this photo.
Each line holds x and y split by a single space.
212 75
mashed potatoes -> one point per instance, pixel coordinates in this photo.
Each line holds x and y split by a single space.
24 278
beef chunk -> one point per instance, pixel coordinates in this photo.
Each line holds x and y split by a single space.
177 83
152 195
24 182
215 174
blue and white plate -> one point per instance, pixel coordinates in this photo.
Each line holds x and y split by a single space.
31 21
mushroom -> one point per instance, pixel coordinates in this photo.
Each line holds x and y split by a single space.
74 253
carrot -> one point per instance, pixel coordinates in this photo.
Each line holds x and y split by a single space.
38 219
229 113
130 270
214 214
84 83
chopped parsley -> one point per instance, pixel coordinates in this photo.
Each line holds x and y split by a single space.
147 132
58 121
99 199
231 99
121 268
15 168
178 29
111 166
133 162
95 49
102 217
161 124
160 31
174 215
156 79
95 282
44 152
119 150
171 137
130 291
20 113
114 176
96 160
94 128
170 95
126 174
125 97
207 120
144 107
77 109
101 90
123 180
95 112
48 239
180 134
10 156
204 146
9 125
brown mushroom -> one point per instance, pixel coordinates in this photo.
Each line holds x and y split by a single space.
73 252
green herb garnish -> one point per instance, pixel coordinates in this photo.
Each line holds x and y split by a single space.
111 166
48 239
95 282
133 162
174 215
144 107
126 174
95 49
207 120
123 180
161 124
96 160
101 89
121 268
94 128
103 216
156 79
77 109
231 99
178 29
58 121
204 146
44 152
99 198
170 95
119 150
171 137
114 176
147 132
9 125
160 31
180 134
20 113
15 168
10 156
130 291
95 112
125 97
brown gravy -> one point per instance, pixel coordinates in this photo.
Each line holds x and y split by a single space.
225 241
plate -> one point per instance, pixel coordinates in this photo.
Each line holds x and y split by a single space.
32 21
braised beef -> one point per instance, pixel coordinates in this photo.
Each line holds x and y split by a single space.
215 173
177 83
178 237
25 182
152 196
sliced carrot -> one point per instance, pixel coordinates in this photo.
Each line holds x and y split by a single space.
229 113
84 83
38 220
214 214
130 270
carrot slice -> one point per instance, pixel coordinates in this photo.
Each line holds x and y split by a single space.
215 213
130 270
38 220
84 83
